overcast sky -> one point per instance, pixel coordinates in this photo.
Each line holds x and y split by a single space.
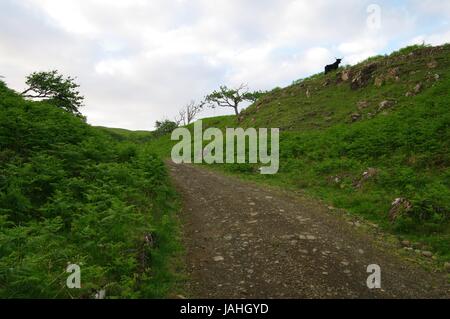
141 60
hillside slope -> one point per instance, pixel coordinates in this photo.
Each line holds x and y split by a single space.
352 93
362 137
121 135
69 194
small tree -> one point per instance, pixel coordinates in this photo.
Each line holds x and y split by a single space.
165 127
227 97
189 112
56 89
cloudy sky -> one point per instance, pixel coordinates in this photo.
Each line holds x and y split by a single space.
141 60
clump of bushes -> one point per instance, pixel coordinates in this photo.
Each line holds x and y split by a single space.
70 194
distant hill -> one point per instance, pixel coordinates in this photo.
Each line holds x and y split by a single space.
120 134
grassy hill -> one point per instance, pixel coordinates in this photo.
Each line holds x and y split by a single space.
363 136
121 135
71 194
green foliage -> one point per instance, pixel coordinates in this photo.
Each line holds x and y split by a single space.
122 135
229 97
70 193
164 127
57 90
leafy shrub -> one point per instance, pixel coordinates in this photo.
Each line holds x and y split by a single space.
70 193
164 127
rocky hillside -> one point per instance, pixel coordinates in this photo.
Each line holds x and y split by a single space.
372 88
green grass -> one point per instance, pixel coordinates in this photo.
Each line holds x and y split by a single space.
127 135
408 144
70 193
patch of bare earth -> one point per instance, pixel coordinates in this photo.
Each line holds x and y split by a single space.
246 241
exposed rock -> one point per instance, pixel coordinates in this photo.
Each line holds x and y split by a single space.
363 105
337 179
355 117
428 254
357 81
384 105
345 76
218 258
379 81
409 94
447 266
400 206
370 173
432 65
363 77
150 240
418 88
394 73
101 294
433 77
406 243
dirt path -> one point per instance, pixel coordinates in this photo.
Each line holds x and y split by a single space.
244 241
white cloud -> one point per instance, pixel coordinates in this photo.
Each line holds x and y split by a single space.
139 61
433 39
66 14
114 67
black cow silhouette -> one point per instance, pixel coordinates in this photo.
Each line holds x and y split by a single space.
332 67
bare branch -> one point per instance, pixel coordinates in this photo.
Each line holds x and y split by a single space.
190 111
